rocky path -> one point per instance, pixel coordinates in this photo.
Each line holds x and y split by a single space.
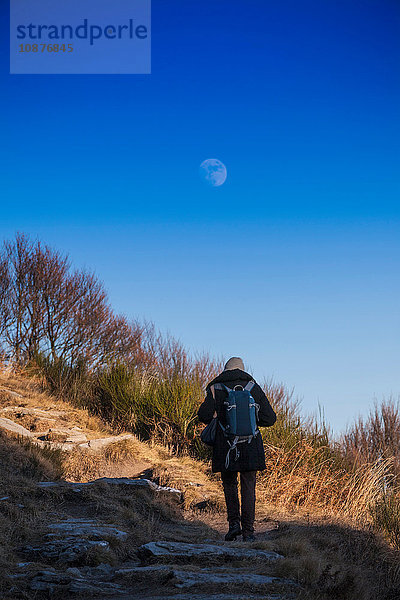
59 564
82 553
48 431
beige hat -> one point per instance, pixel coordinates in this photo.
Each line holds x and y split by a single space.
234 363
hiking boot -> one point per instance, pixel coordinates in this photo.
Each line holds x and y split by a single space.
249 537
234 531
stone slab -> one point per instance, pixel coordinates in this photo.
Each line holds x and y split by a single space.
50 414
207 596
183 550
100 443
67 550
85 528
14 394
9 425
52 581
187 579
114 481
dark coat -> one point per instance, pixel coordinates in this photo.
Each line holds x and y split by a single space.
251 456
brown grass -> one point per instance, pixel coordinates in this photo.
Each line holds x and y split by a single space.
303 478
320 510
33 396
26 512
336 561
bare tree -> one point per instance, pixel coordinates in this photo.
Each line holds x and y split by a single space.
17 256
377 437
52 292
5 315
46 307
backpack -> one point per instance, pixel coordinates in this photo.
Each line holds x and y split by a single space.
241 413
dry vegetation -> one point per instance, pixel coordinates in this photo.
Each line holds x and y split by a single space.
127 458
331 549
335 503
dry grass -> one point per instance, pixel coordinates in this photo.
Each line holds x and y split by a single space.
33 396
307 478
27 510
20 516
335 561
321 512
127 458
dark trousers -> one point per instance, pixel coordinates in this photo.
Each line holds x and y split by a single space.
248 498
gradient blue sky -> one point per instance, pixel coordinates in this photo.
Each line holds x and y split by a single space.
294 262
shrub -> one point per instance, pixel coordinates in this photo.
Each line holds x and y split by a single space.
386 517
153 406
71 382
376 437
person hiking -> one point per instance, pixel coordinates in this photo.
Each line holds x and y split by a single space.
233 455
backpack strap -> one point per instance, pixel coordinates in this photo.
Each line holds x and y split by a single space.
250 386
233 446
222 386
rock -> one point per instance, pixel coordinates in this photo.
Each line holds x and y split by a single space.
81 586
215 577
207 596
68 550
188 551
86 581
9 425
71 581
59 484
151 570
100 443
48 581
85 528
48 415
118 481
188 579
42 586
74 572
13 394
75 438
102 571
53 576
66 435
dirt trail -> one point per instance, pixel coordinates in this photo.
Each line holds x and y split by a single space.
90 533
157 569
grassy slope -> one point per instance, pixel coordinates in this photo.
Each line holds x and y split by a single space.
328 556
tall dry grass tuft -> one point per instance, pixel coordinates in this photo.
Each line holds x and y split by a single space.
307 469
385 513
365 487
376 437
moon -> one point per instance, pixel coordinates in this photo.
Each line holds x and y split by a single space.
213 171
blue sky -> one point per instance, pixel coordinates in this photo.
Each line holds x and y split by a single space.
294 262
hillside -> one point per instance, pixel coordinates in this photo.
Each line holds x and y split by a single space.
87 511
